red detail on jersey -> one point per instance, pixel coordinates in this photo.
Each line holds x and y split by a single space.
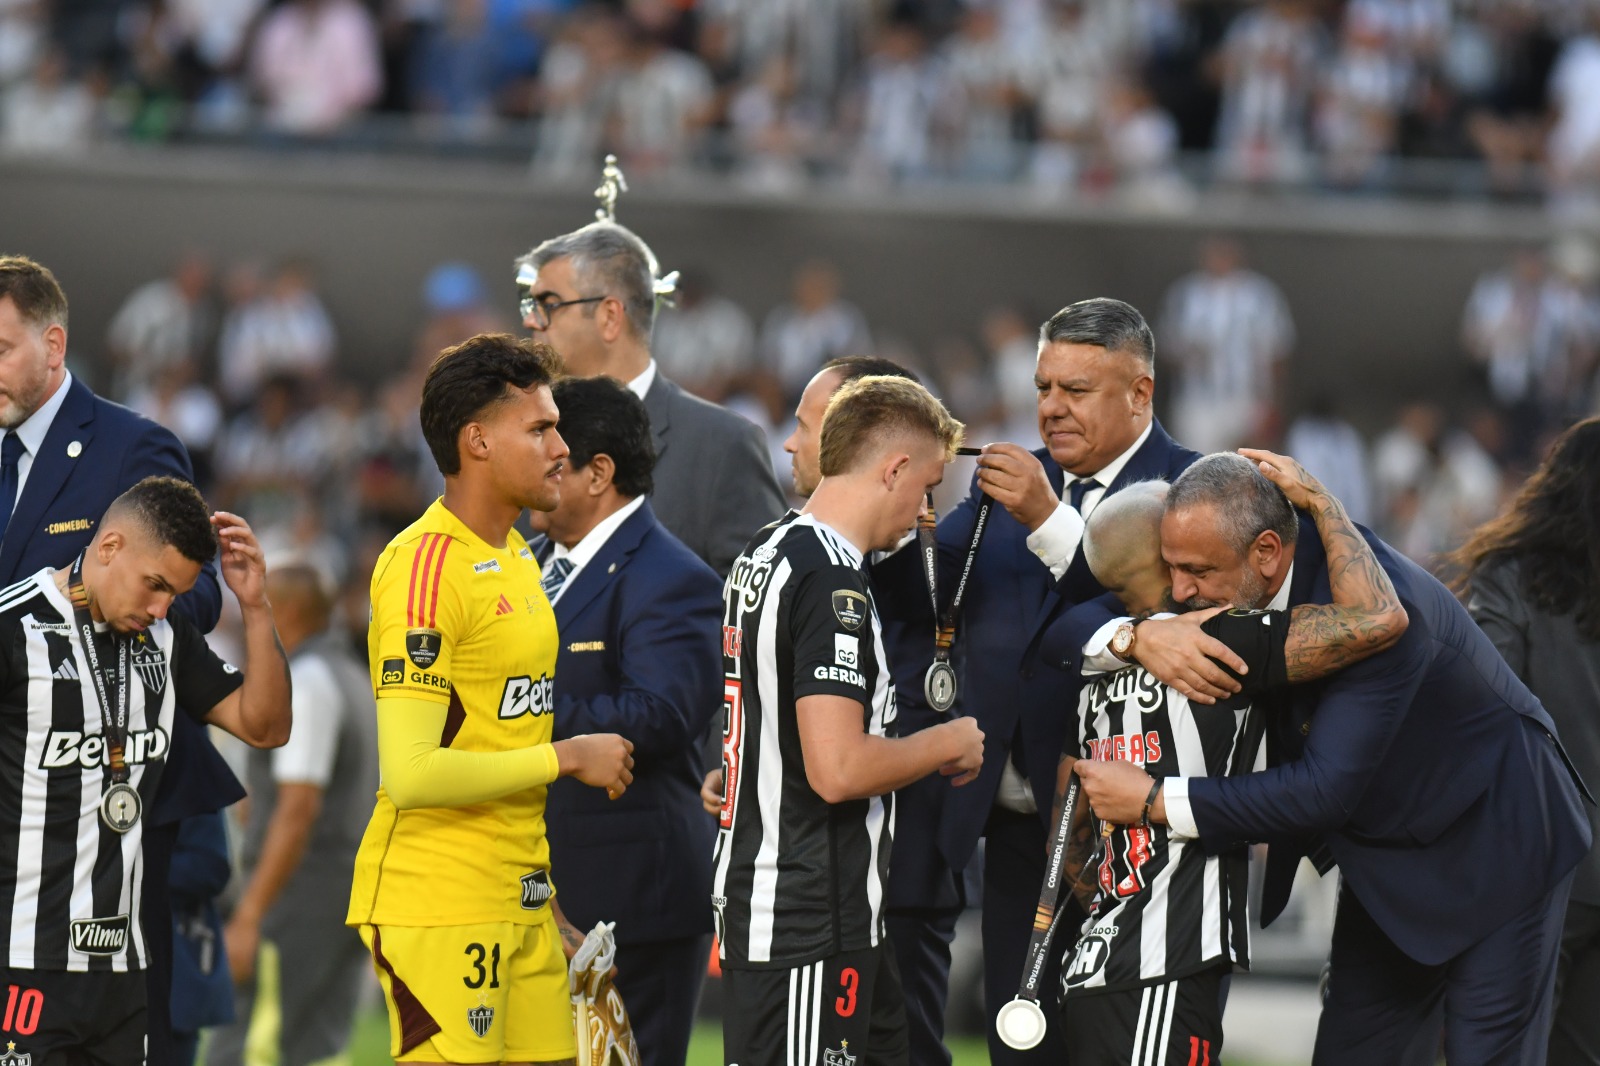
732 734
732 641
438 575
419 566
504 606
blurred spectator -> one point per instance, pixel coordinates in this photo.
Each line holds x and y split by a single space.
1012 346
456 64
1227 333
266 455
457 308
815 326
161 324
706 342
278 328
775 128
826 38
903 91
86 31
48 114
1535 332
1359 100
22 37
1508 123
202 992
396 479
1573 148
577 89
986 82
1271 60
175 398
663 104
1141 142
1433 484
316 64
1068 70
1332 449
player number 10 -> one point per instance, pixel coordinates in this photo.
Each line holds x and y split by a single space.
23 1007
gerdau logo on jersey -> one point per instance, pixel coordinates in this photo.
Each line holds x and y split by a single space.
69 747
523 695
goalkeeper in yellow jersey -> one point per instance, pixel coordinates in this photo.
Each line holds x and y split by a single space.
453 891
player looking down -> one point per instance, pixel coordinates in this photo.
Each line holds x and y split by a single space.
452 889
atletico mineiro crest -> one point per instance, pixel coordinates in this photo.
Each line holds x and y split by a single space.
479 1017
838 1056
13 1058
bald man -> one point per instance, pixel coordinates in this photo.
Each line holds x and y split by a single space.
309 802
1167 922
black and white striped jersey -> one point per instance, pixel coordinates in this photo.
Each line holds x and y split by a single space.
70 886
797 879
1165 908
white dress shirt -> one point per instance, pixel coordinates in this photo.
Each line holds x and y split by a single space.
1056 541
641 384
33 431
586 549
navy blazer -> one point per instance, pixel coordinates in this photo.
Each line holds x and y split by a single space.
1010 601
1430 771
641 655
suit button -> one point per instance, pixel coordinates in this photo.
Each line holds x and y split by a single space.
1305 729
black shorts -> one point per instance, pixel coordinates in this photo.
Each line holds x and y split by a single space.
1178 1023
74 1019
846 1010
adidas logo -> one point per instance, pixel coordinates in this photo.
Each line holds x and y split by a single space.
504 606
66 671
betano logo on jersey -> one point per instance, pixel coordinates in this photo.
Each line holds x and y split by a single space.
523 695
68 747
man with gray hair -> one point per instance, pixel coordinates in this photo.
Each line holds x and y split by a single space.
1168 921
1428 773
592 295
1094 382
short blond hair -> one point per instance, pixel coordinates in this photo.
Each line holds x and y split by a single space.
868 410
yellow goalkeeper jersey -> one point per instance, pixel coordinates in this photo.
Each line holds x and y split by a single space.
464 624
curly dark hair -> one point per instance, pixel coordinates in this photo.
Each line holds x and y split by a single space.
471 377
601 416
1552 529
173 511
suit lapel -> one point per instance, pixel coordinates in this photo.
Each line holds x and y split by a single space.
600 571
50 470
658 405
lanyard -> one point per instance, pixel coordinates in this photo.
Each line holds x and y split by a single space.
939 686
115 722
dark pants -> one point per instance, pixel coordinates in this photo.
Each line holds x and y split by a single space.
1013 869
1575 1037
660 987
1498 994
921 941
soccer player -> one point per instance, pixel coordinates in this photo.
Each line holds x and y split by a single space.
452 890
809 752
92 675
1143 984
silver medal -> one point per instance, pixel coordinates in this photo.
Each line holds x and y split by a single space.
939 685
1021 1024
119 807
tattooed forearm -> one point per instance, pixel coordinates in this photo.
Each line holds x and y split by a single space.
1365 616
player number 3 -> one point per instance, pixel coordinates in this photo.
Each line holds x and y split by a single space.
849 980
493 973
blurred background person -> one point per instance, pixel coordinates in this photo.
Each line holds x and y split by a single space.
815 325
1532 580
316 64
704 341
202 990
163 323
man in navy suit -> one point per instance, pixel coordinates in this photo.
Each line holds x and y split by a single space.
1429 773
65 455
640 623
1095 380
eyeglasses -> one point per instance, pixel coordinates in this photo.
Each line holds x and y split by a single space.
542 308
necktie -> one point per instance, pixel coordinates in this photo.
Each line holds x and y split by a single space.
1078 489
10 451
556 572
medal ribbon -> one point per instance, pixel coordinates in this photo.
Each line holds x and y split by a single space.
1049 909
945 626
115 724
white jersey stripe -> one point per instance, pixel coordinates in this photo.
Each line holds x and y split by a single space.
30 833
769 777
1166 1024
1138 1057
816 1014
791 1042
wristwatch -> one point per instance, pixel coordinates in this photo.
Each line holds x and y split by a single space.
1122 641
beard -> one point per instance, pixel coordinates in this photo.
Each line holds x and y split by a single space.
1250 594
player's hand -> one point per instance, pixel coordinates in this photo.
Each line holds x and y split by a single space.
244 568
965 742
1295 480
711 795
243 940
1179 653
1015 479
1116 789
604 760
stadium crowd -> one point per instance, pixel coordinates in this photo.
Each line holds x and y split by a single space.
1087 95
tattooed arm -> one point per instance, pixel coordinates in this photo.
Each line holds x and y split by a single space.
1077 865
1365 616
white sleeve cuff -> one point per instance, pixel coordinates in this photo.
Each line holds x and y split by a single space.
1055 543
1097 657
1180 817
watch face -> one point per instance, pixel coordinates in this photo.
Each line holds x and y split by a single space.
1123 640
